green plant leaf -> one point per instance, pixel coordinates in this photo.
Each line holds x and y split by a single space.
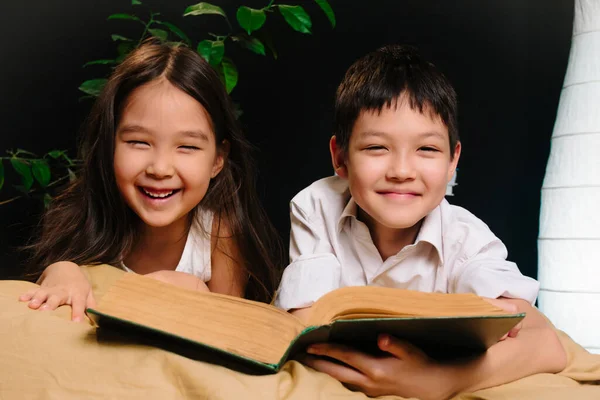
99 62
24 170
176 31
204 8
296 17
124 16
324 4
116 37
47 200
251 43
1 174
212 51
93 87
230 74
123 49
159 33
41 172
56 154
266 38
136 2
250 19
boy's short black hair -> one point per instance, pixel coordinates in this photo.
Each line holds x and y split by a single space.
378 79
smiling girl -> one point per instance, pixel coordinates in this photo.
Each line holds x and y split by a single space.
167 189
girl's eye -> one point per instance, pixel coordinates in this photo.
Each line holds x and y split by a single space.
137 143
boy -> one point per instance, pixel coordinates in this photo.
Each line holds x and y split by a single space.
383 221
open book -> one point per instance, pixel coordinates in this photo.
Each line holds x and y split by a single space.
265 337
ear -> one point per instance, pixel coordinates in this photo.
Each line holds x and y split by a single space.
222 153
338 158
454 161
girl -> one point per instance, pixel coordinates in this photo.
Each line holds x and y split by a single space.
166 189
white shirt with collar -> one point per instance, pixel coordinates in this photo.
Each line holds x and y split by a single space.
195 258
454 252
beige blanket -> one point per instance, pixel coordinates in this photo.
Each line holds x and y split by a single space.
45 356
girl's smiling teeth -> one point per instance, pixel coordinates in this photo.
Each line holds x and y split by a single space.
158 193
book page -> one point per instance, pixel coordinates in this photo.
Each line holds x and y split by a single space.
247 328
378 302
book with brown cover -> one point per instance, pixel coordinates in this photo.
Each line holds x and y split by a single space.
262 337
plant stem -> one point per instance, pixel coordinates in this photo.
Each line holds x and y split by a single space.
146 27
33 191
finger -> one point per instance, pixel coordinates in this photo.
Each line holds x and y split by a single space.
91 301
28 294
53 301
345 354
38 299
503 337
515 331
398 348
78 303
503 304
340 372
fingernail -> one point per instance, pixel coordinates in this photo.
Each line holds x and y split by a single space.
34 302
76 319
384 340
44 307
312 349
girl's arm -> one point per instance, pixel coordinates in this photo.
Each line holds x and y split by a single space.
228 275
179 279
61 283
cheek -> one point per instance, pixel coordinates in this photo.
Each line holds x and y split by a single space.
125 167
196 171
366 169
435 173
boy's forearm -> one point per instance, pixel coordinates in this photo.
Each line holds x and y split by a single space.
536 349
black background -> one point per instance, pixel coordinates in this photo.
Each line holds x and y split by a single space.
506 58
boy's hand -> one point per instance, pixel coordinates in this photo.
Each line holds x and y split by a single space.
507 306
62 283
404 370
181 279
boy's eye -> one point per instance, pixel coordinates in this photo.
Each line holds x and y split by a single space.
189 147
428 148
374 148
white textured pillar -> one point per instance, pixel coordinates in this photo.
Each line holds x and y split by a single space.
569 238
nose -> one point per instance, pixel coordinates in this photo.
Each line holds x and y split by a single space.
401 167
160 166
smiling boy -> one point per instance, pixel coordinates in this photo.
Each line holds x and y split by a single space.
383 221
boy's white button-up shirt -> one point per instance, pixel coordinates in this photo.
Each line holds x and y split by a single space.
454 252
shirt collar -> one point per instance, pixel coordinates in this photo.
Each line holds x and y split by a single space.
430 232
351 210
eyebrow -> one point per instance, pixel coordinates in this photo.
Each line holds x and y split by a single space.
367 134
434 134
138 128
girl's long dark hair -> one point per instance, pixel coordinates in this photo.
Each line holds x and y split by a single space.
90 223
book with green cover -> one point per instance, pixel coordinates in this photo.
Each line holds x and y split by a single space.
262 337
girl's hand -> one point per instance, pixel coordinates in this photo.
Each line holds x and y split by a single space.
403 370
62 283
181 279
